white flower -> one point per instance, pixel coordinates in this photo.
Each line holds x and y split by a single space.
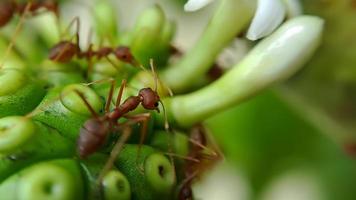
269 15
194 5
294 8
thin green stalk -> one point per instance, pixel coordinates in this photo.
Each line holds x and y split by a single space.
230 19
274 59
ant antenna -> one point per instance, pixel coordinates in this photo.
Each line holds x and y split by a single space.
75 21
17 31
154 74
166 124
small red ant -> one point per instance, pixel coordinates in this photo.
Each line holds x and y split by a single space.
95 130
199 159
9 7
66 50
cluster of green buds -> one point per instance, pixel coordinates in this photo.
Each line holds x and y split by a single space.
44 104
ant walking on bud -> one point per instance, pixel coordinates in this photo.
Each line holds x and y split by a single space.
95 130
65 50
9 7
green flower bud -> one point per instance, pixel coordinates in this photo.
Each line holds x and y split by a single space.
230 19
146 33
57 74
19 94
105 18
23 142
64 110
49 33
116 186
163 141
151 175
54 180
113 185
160 173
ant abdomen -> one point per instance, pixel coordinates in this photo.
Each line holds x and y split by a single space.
92 136
7 9
63 52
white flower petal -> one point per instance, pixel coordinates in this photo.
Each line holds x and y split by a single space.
294 8
194 5
269 15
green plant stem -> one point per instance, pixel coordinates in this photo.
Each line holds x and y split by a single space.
273 60
229 20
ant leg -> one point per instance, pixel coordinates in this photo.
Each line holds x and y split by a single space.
188 158
113 63
91 109
17 31
143 118
186 185
115 152
119 96
111 92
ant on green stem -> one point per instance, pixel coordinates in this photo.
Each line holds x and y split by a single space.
9 7
65 50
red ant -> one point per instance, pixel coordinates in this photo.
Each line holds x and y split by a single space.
199 160
66 50
9 7
95 130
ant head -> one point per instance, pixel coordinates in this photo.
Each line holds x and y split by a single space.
7 9
64 51
124 54
150 99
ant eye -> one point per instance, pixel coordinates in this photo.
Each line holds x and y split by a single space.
156 104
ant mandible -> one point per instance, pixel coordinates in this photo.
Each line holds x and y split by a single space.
195 164
66 50
9 7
